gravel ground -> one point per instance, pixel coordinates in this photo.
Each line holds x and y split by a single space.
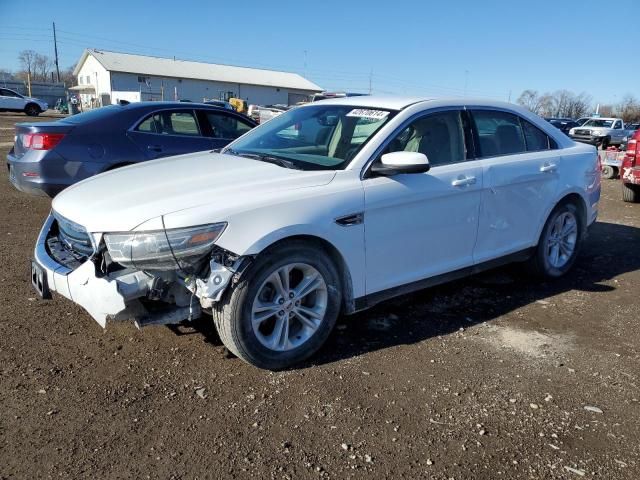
494 376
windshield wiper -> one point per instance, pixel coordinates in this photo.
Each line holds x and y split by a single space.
263 157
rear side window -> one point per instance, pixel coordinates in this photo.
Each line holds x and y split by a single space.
535 138
170 123
151 124
226 126
184 123
499 133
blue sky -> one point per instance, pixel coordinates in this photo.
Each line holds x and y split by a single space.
404 47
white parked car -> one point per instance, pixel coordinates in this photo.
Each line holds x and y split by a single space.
11 101
330 207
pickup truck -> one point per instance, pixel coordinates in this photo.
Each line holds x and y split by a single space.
600 132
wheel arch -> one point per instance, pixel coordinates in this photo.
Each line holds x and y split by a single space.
348 303
575 198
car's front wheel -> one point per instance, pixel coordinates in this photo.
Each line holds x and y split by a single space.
559 243
32 110
283 308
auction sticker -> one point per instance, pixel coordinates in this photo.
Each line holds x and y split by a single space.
365 113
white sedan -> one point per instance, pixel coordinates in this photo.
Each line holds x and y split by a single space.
328 208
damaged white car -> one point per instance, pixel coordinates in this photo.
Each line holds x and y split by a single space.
329 208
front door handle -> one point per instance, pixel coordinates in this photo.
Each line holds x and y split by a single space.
548 167
463 181
155 148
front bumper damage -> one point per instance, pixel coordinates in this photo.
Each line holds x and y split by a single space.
147 298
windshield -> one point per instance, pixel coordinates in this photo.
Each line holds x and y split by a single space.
598 123
322 137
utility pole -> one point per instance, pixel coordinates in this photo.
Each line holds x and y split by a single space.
55 49
371 81
509 100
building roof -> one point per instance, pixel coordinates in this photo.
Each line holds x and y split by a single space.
168 67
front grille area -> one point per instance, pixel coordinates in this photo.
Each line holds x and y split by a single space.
68 243
583 132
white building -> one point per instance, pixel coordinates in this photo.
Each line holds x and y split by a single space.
107 77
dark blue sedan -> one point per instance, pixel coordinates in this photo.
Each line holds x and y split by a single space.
49 156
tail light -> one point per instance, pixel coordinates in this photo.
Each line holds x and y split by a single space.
633 154
41 141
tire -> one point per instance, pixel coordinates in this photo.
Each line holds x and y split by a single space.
608 172
630 193
233 315
605 143
541 263
32 110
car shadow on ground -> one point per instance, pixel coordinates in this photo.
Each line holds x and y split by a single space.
610 250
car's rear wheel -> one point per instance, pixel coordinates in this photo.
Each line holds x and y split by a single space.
559 242
32 110
630 193
608 171
283 308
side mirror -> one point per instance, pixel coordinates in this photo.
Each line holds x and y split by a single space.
395 163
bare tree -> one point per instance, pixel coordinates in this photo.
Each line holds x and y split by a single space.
27 61
42 67
606 110
561 103
531 100
67 76
628 109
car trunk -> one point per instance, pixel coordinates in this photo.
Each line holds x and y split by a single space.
23 129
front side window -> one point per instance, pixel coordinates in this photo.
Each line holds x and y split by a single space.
9 93
170 123
226 127
440 136
317 137
617 125
499 133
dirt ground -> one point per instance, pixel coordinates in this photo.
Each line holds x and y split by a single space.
494 376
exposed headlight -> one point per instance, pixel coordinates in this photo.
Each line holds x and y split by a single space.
596 133
178 248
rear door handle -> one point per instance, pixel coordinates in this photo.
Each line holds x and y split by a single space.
463 181
548 167
155 148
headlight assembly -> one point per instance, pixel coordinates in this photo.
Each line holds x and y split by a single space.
173 249
596 133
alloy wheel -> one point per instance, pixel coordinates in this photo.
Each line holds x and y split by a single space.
289 307
561 241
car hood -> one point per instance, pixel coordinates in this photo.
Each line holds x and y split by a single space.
123 199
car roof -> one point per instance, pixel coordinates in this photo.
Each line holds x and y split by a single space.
390 102
398 102
164 104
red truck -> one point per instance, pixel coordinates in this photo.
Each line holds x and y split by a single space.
630 170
